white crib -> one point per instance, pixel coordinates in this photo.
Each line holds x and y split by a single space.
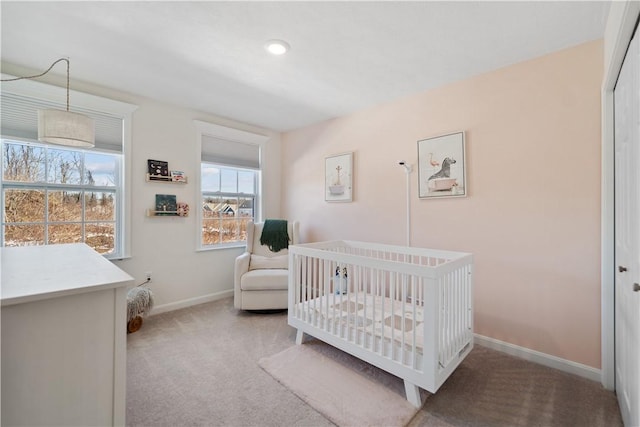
408 311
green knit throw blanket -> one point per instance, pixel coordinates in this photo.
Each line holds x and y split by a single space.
274 234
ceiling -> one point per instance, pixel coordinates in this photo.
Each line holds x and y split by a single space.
344 57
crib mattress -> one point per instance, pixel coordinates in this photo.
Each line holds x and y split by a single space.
386 318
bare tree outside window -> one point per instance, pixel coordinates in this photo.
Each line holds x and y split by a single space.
53 195
23 163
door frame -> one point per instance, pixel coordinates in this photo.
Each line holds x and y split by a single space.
621 23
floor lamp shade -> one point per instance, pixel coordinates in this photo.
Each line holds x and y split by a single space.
66 128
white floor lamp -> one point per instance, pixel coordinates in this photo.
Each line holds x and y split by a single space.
408 169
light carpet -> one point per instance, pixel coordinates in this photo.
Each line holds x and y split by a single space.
198 367
344 389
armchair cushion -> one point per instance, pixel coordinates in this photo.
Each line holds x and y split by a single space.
259 262
274 279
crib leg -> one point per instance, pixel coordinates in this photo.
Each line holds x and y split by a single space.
299 336
413 394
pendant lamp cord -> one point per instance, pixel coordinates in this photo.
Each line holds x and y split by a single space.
42 74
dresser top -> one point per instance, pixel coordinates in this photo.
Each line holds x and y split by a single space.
32 273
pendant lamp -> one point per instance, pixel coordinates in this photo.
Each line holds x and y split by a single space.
63 127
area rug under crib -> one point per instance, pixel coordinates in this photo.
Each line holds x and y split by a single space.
346 390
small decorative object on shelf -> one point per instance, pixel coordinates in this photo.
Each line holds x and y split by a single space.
158 170
178 176
183 209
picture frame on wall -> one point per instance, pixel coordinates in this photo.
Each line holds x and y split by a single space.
339 178
442 168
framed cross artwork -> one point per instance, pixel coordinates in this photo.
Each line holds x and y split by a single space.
339 178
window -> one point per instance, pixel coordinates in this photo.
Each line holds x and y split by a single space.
228 200
55 195
230 184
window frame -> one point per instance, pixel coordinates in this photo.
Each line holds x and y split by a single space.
118 109
231 135
225 194
47 186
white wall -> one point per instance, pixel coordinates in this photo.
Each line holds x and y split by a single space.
166 246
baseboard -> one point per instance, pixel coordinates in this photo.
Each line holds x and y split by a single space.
540 358
191 301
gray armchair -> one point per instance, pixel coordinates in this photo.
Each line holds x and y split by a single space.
261 276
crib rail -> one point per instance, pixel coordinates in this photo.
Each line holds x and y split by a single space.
407 310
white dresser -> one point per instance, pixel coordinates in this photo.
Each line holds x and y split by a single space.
63 337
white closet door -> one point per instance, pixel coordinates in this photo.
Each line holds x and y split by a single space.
627 235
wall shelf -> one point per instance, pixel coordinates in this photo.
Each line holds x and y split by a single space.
163 178
154 213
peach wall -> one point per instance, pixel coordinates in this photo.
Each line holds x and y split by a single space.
532 216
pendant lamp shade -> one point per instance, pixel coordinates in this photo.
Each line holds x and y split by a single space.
63 127
66 128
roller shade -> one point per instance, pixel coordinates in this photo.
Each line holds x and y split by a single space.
19 119
230 153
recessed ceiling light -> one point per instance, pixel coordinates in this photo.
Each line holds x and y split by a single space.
277 47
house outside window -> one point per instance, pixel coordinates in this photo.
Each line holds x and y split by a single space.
228 200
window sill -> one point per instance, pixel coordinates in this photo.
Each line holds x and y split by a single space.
118 258
239 245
